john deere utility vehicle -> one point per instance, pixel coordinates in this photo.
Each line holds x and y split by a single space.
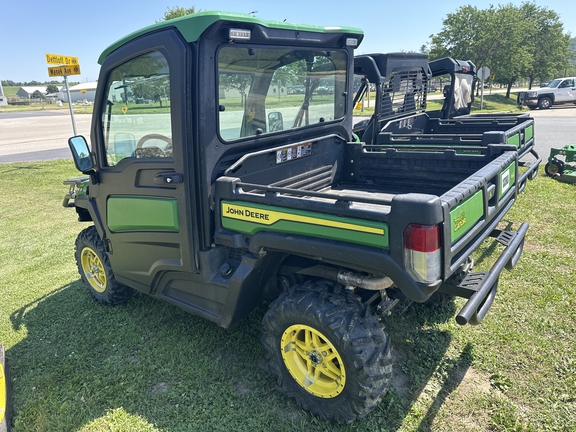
222 172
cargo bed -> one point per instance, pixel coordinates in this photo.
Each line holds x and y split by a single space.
471 131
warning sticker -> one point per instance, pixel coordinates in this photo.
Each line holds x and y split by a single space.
295 152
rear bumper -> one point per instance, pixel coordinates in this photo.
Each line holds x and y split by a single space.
480 287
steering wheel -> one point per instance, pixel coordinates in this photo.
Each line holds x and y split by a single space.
153 136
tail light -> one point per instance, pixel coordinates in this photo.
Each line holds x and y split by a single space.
422 252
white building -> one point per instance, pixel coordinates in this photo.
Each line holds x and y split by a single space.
80 92
26 92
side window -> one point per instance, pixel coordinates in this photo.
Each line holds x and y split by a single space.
136 117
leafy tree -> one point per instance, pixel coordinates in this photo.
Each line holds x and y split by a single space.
155 89
572 61
463 36
547 42
510 34
514 42
51 88
236 81
176 12
37 95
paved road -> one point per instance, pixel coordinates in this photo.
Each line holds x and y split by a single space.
554 128
38 135
43 135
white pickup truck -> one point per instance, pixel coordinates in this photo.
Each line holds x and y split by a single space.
559 91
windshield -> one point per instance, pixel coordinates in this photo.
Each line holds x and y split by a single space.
266 90
554 83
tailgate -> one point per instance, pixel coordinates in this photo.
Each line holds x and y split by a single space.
474 208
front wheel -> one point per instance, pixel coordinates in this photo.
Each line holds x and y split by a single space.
95 270
545 103
327 351
554 167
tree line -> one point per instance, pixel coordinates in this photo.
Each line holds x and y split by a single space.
525 42
9 83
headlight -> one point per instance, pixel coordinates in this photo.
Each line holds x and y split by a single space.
531 94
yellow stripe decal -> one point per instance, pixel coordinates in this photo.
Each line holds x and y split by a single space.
270 217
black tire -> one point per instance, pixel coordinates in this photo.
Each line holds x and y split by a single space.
336 338
554 167
544 103
95 271
6 409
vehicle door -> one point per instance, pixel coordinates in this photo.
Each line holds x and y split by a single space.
566 91
141 143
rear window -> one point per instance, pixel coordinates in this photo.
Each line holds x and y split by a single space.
268 90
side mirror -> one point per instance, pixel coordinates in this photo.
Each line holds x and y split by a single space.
275 121
81 154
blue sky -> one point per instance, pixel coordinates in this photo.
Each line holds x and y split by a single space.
30 29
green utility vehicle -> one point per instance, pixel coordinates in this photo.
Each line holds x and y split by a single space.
222 172
401 121
560 169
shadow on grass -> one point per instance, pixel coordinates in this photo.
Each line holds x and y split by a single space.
80 362
420 352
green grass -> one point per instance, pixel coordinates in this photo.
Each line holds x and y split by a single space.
78 109
492 103
148 366
10 91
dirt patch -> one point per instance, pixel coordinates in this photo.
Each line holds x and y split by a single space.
460 408
400 380
241 388
160 388
292 415
473 383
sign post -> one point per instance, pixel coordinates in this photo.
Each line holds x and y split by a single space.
66 66
483 73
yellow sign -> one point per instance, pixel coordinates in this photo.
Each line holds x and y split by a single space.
61 60
63 70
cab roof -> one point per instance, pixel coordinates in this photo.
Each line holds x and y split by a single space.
192 26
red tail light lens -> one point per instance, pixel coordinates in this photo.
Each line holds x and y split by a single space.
422 254
422 238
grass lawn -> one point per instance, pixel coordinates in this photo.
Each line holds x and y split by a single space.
148 366
492 103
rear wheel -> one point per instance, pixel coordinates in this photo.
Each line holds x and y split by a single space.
95 270
327 351
554 167
5 393
544 103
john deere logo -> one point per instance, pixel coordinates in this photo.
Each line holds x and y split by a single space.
460 221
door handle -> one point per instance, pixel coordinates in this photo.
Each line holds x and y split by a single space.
168 178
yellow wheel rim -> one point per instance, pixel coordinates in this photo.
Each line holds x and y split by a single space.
93 269
553 169
313 361
3 395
